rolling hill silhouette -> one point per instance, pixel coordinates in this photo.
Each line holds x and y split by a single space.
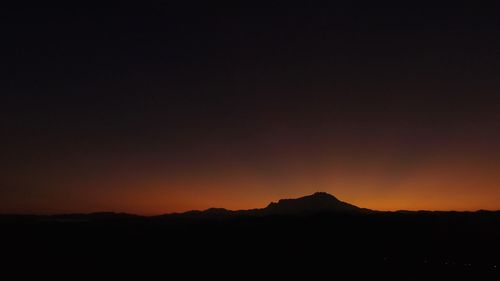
319 202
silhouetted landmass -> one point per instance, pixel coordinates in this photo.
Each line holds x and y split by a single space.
316 203
313 236
319 202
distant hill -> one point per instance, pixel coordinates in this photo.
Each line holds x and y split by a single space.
75 217
319 202
315 203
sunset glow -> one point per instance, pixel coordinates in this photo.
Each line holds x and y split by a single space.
185 109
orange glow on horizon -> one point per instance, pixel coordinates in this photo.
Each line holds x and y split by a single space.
387 178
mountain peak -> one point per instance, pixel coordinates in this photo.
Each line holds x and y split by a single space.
322 194
316 202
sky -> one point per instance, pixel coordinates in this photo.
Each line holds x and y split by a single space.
169 107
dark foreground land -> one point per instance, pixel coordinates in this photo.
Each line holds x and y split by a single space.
323 245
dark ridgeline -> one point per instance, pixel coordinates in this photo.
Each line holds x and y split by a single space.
319 202
314 235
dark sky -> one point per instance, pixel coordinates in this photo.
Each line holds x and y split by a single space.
158 108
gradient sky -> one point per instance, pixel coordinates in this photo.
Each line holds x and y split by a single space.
173 107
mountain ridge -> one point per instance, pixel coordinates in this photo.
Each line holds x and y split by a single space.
312 204
318 202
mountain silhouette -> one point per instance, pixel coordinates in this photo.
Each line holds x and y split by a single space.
315 203
319 202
